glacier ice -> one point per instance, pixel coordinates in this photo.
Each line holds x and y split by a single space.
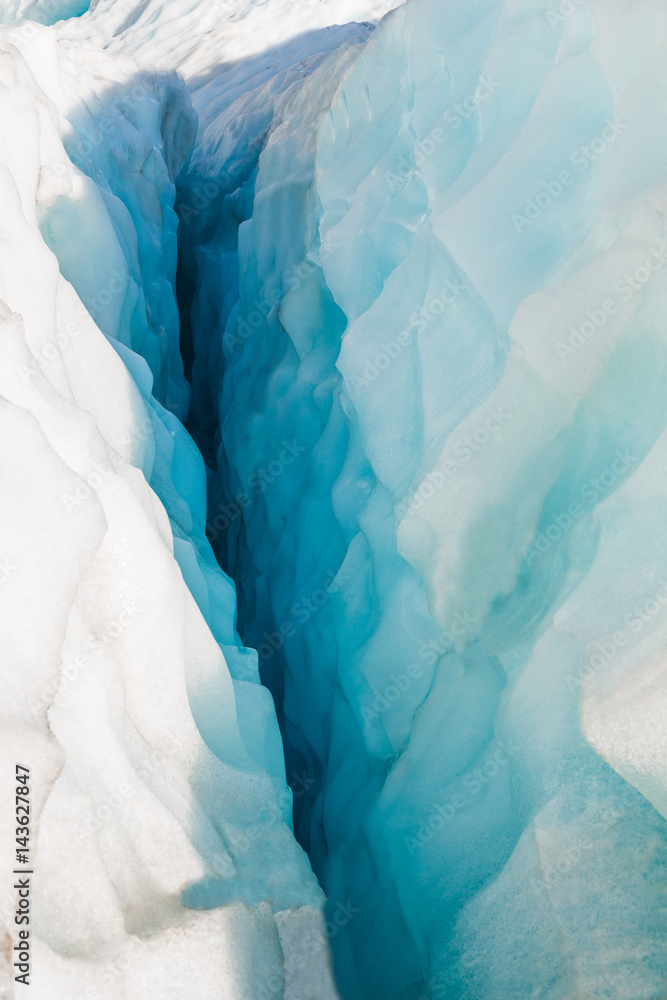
28 12
158 779
450 295
421 279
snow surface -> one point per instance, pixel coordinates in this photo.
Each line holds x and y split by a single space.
423 281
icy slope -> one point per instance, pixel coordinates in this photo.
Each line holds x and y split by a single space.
422 274
439 483
165 864
216 41
40 11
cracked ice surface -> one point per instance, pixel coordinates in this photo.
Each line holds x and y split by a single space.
423 289
451 296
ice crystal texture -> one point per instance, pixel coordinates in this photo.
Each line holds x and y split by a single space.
402 274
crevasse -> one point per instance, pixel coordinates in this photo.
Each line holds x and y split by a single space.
422 286
161 821
439 399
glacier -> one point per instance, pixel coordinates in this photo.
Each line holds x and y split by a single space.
158 778
333 339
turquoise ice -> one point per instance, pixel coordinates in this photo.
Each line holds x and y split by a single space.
405 286
451 294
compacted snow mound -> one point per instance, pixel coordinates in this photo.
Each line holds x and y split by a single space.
164 861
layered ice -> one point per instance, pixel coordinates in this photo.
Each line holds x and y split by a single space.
440 428
165 864
422 286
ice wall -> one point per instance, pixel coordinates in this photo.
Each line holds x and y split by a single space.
40 11
423 284
439 482
164 861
